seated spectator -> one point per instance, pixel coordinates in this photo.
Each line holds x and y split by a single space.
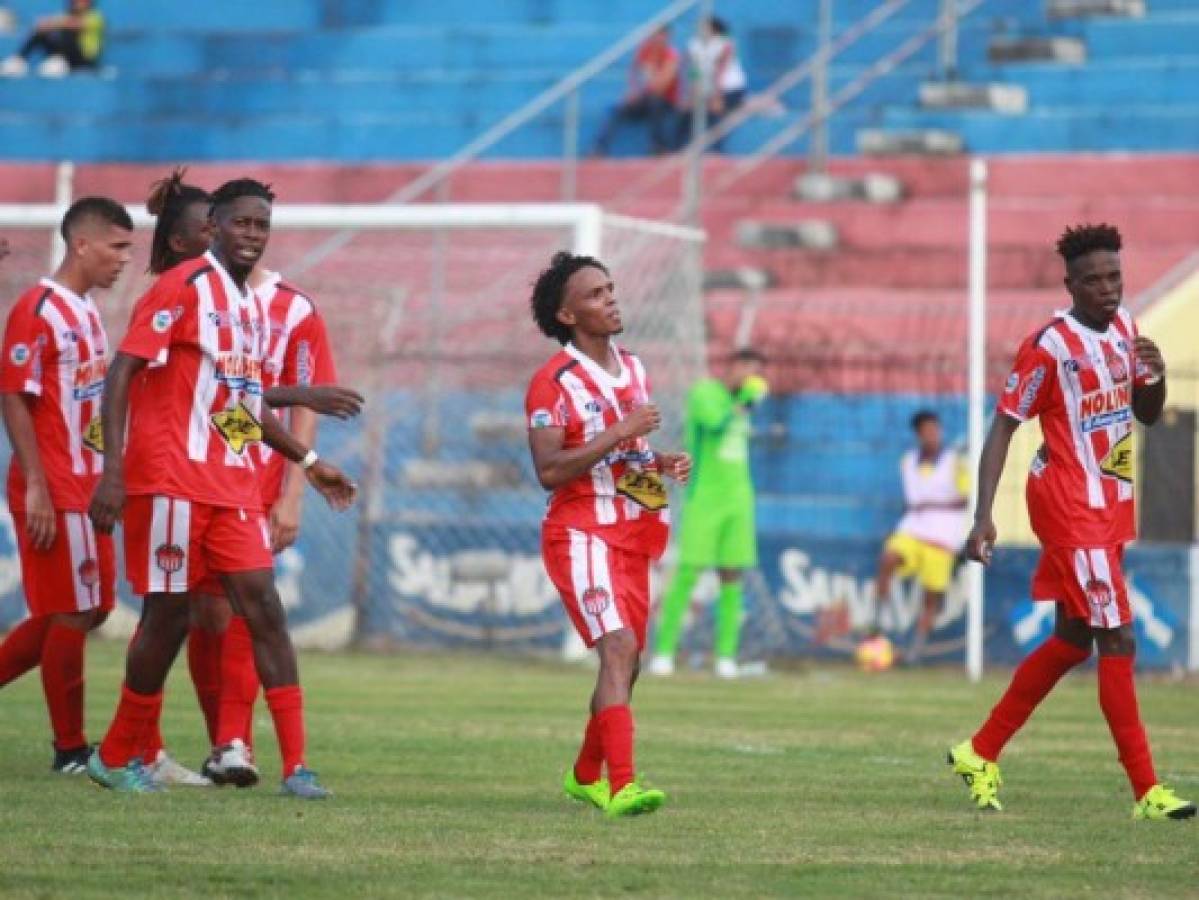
716 73
68 42
652 95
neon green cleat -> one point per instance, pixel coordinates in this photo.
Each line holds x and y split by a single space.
596 793
633 800
981 776
1160 802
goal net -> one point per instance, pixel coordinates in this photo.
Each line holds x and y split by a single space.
428 311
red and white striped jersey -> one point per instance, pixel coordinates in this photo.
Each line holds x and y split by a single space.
56 351
622 499
194 410
1080 382
298 353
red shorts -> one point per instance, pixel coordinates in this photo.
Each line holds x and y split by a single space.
1088 582
603 589
76 574
172 545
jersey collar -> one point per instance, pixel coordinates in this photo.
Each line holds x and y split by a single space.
84 301
244 298
597 372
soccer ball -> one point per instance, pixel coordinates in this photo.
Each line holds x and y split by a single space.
875 654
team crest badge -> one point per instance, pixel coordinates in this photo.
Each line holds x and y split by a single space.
596 600
169 558
1099 595
1117 367
89 573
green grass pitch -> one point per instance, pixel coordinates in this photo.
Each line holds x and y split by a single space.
447 768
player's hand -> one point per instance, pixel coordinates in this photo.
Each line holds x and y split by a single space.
641 421
980 543
332 400
332 483
676 466
39 515
1148 356
107 503
285 521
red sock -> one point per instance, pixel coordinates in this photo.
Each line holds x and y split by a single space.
589 766
287 709
1031 683
127 734
151 740
22 649
204 663
615 725
1118 700
62 683
239 684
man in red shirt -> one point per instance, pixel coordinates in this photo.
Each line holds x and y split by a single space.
1086 375
51 378
189 379
652 95
589 412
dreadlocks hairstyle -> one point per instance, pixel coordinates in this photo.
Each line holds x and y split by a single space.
169 197
241 187
103 208
1083 239
550 290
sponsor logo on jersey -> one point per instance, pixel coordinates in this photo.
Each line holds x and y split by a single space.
643 488
1013 382
89 572
238 426
93 435
304 362
89 378
71 336
19 354
161 321
1102 408
596 600
595 407
169 558
239 373
1028 393
1118 462
541 418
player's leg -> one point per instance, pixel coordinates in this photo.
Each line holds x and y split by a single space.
62 670
898 559
209 615
736 551
934 570
699 533
21 648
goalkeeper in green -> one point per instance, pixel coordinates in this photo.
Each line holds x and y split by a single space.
717 529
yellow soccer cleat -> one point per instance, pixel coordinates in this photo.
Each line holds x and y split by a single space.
634 800
1160 802
981 776
595 793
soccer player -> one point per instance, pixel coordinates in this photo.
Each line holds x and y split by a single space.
589 412
51 380
1086 374
936 489
717 531
187 382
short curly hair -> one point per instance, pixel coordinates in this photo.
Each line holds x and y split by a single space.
550 290
1083 239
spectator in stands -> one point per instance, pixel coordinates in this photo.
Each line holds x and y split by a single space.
68 42
652 95
716 72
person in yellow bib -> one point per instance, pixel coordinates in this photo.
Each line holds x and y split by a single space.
936 489
67 42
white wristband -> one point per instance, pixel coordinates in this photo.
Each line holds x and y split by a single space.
309 460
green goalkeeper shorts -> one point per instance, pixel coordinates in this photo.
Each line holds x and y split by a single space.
718 535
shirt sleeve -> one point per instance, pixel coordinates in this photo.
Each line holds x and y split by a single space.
1030 384
26 339
153 322
545 406
309 358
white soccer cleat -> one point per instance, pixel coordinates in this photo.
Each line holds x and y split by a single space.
232 764
54 67
166 772
14 67
661 665
727 668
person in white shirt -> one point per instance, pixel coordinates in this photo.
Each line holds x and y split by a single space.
715 70
925 544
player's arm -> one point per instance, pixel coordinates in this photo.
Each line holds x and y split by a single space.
109 498
39 509
982 536
1149 386
326 399
330 482
557 465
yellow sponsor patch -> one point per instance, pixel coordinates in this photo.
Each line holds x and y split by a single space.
93 435
643 488
238 426
1118 462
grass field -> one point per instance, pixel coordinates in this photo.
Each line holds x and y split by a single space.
446 768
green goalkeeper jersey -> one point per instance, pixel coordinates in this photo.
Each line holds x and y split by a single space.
718 441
